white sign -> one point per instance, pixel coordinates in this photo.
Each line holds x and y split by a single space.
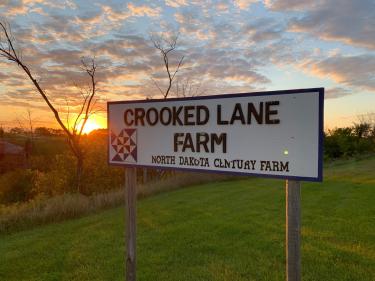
276 134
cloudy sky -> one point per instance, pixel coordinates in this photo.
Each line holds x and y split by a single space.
228 47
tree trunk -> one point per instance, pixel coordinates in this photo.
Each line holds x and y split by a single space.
78 153
79 173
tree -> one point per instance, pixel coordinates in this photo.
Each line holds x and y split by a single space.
365 127
73 133
166 45
42 131
187 88
362 130
17 131
30 121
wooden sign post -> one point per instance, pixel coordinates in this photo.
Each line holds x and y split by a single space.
131 212
293 232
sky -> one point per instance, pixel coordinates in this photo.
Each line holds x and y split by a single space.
228 47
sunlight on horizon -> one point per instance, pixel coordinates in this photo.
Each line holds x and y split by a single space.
92 124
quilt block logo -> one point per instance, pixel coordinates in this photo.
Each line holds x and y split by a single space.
125 145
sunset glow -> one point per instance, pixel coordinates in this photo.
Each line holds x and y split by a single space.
90 126
228 47
97 121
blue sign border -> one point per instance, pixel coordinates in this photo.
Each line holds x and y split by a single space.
319 91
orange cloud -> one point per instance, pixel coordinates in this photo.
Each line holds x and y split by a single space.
244 4
176 3
143 10
353 71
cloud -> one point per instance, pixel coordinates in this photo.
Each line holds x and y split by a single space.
12 103
54 30
23 7
113 15
225 66
118 16
176 3
222 7
337 92
244 4
188 20
143 10
194 24
292 5
264 30
88 19
357 71
59 4
351 22
17 10
126 50
221 61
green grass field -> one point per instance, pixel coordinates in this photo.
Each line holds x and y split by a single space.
218 231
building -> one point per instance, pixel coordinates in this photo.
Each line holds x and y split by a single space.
11 156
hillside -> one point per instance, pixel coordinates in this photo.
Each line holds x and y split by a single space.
217 231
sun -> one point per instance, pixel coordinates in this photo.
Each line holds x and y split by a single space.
91 125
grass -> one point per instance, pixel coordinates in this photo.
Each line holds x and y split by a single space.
44 210
216 231
55 209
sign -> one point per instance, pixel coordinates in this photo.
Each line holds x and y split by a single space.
276 134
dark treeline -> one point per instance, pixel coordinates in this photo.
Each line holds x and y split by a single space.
38 131
350 141
45 166
49 168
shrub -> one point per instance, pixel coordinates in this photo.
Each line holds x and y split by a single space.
349 141
58 179
17 186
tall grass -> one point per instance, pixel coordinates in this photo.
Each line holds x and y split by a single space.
42 210
45 210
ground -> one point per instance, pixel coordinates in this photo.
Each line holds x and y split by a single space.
231 230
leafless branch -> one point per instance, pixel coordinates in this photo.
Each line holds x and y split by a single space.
30 123
165 47
188 88
8 51
90 69
20 125
156 84
68 114
79 115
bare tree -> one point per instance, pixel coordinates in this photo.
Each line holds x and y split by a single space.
30 124
30 121
185 88
9 52
188 88
166 45
365 127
